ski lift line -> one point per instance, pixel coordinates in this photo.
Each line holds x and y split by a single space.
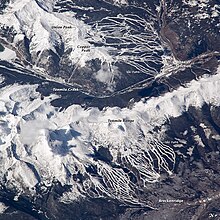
150 71
140 40
140 69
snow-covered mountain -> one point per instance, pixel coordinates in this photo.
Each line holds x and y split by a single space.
90 149
105 50
109 109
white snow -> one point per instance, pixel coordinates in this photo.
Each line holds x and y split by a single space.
3 208
31 130
59 143
120 2
2 79
191 3
47 30
216 137
215 11
55 141
7 54
202 15
202 10
197 92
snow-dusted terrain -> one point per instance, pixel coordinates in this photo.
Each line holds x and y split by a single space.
40 143
96 55
7 54
109 109
72 45
45 29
